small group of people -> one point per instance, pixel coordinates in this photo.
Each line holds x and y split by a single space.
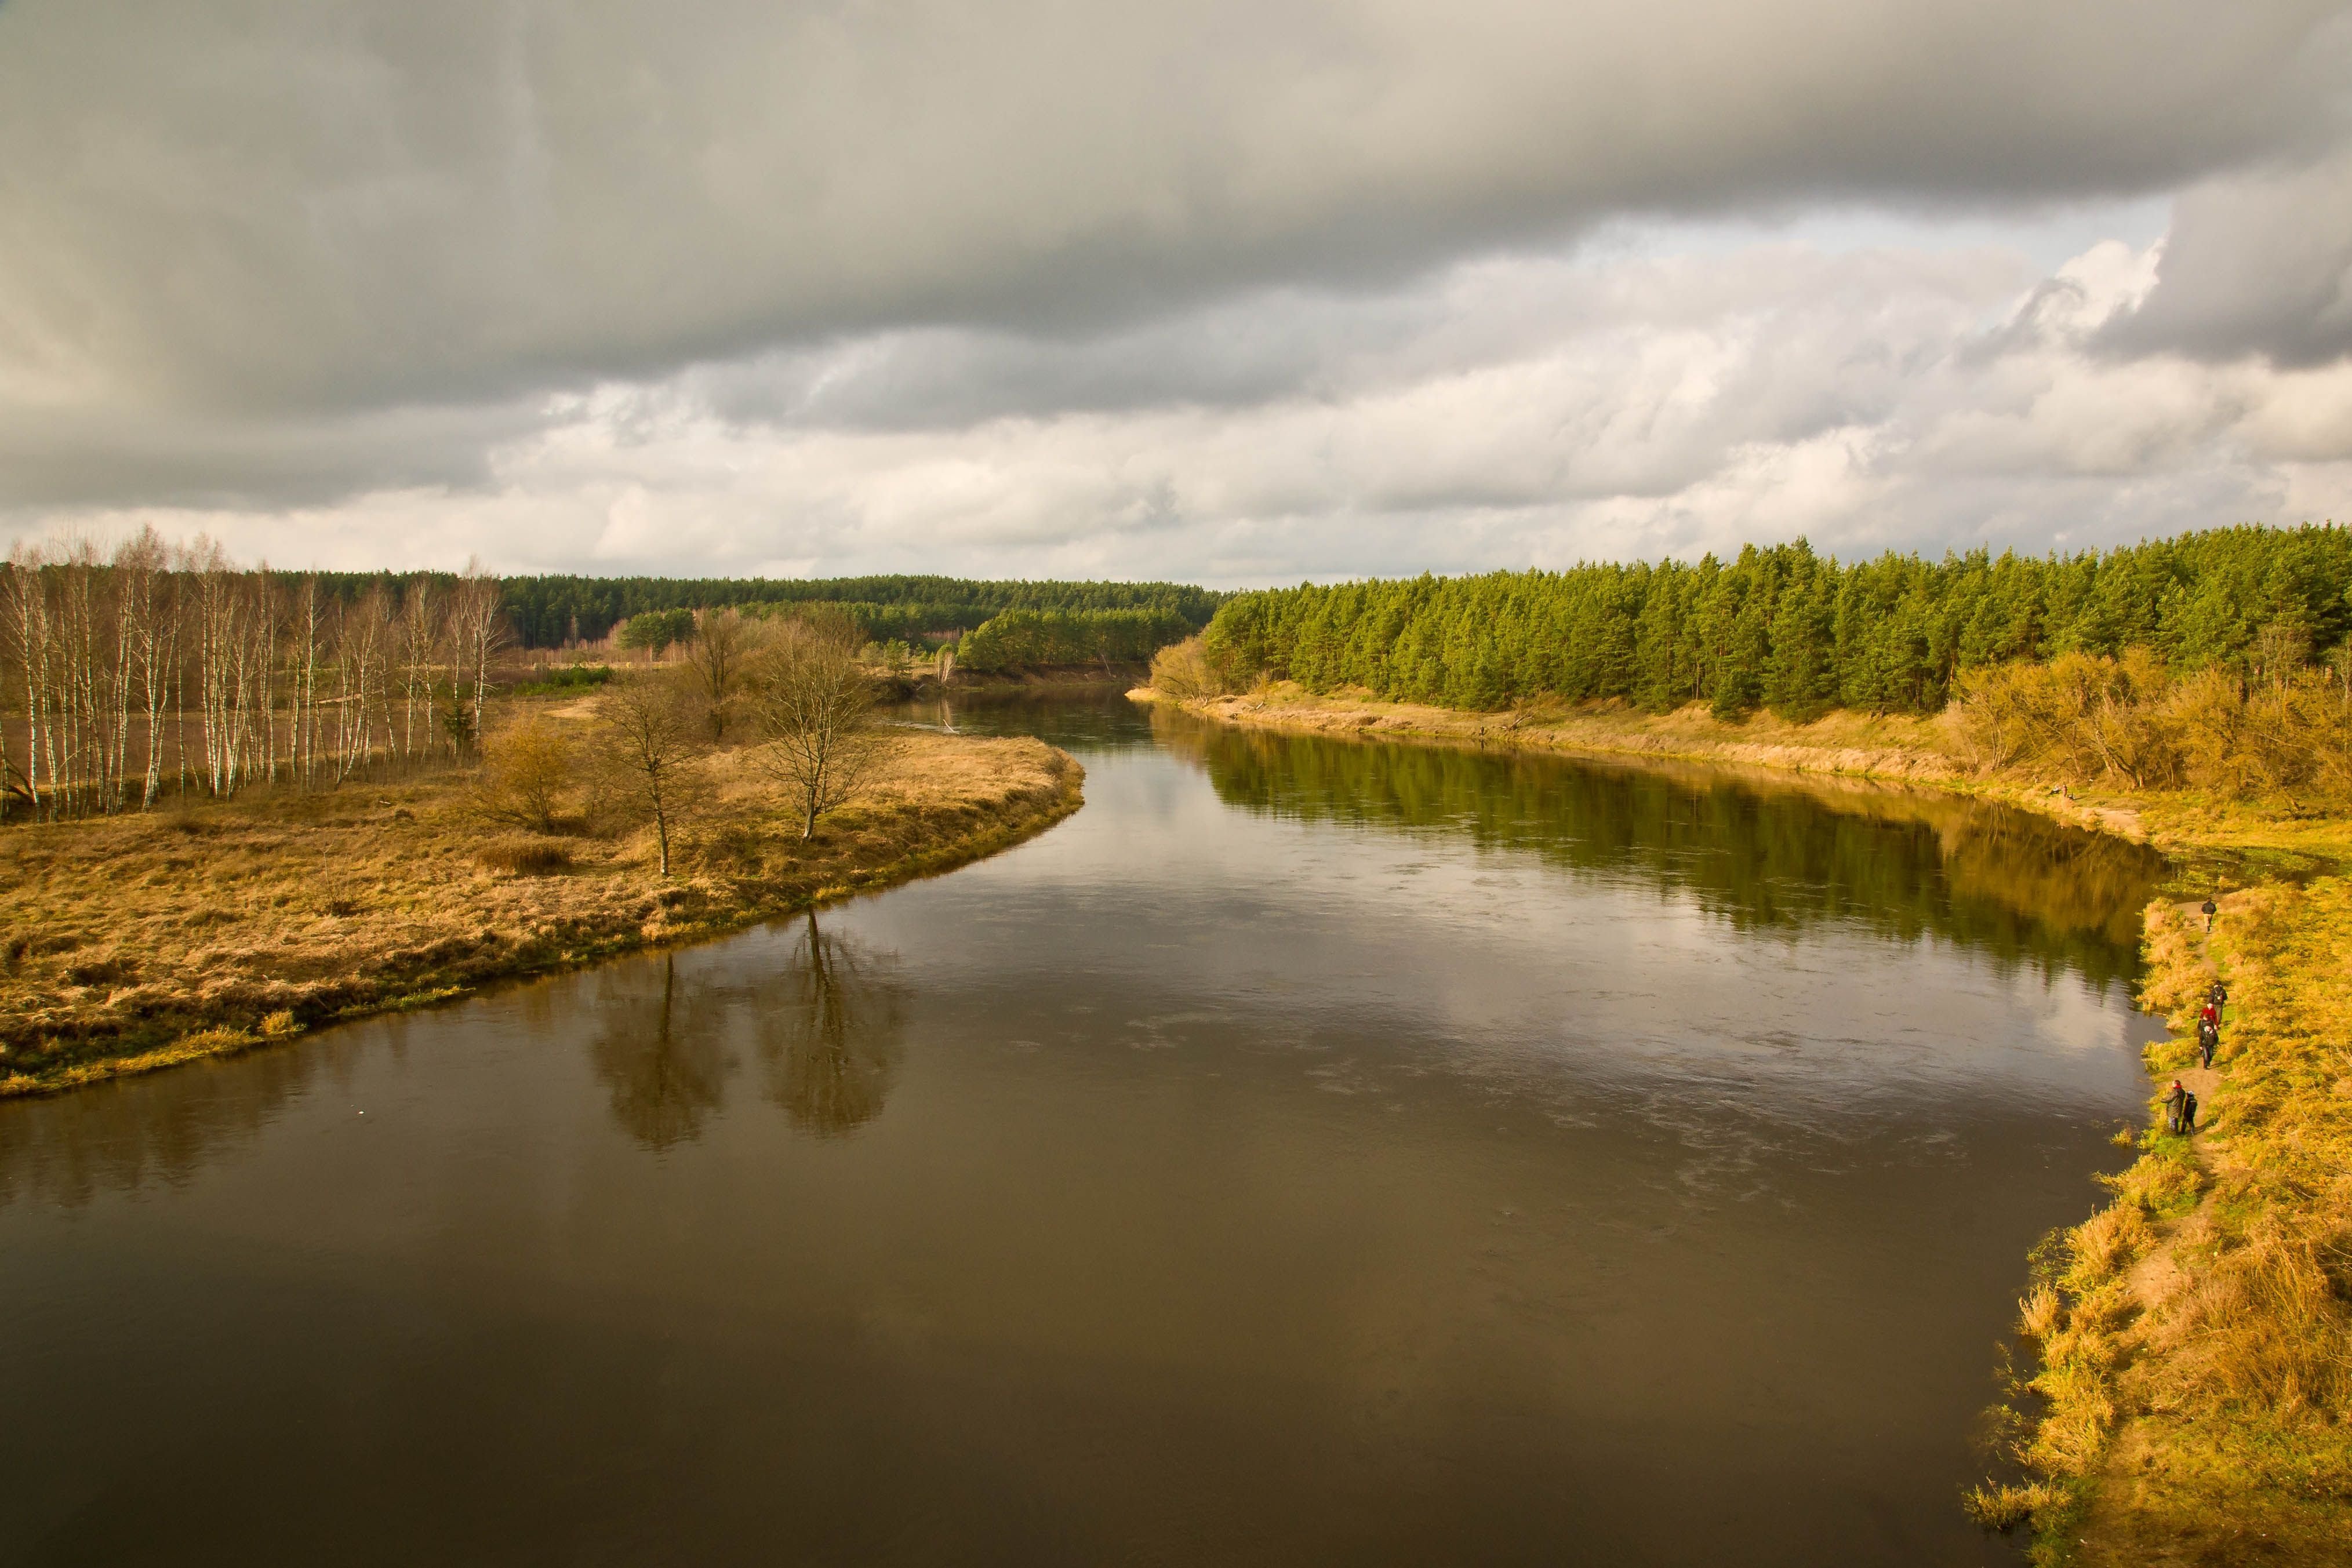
2181 1105
2209 1024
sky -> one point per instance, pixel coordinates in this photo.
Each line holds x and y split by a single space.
1222 292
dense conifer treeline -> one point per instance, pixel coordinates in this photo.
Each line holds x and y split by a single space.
547 611
1027 639
1786 629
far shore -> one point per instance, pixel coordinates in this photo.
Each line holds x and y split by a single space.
2236 843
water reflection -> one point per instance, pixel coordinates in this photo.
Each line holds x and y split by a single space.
825 1014
1759 853
124 1136
664 1065
1101 722
829 1033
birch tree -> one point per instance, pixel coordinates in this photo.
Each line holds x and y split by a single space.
25 617
478 633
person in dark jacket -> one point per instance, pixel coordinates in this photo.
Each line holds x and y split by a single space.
2211 909
2188 1113
2176 1104
2207 1039
2219 996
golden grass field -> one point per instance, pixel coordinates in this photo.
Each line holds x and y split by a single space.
2186 1395
2191 1400
133 942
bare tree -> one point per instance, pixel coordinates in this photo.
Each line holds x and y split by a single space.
723 646
420 638
362 647
27 625
308 625
143 601
650 740
479 632
816 711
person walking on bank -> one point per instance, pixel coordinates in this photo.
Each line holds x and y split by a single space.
2208 1038
2211 909
2176 1106
2187 1113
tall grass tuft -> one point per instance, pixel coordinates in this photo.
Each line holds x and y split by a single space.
521 856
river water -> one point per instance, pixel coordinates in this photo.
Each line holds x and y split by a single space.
1311 1152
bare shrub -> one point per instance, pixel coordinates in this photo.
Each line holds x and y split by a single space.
2272 726
1182 671
526 768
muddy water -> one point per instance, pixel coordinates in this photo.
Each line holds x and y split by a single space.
1309 1153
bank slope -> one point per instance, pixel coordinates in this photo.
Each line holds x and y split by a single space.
2191 1396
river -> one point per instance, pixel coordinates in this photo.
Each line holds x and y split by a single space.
1310 1152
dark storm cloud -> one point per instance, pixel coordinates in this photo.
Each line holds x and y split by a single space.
1239 281
271 205
2257 265
169 458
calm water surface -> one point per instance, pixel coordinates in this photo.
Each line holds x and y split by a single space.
1308 1153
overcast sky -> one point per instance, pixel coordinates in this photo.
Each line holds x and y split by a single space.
1231 292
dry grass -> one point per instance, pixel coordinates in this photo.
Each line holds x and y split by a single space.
139 941
1877 746
2194 1347
523 854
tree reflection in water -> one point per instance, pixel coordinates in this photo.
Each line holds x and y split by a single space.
829 1034
665 1062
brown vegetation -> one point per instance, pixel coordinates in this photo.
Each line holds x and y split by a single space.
527 767
2277 730
2192 1397
140 939
1183 672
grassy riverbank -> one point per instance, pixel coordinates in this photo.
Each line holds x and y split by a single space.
2189 1393
2191 1400
135 942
